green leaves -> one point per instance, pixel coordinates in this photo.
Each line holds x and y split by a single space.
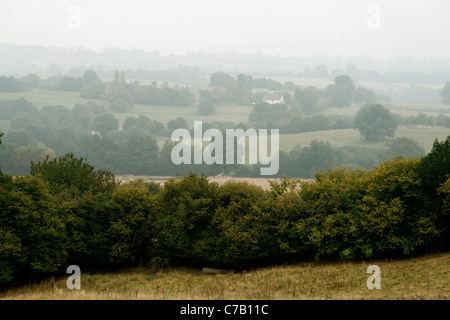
73 175
375 122
70 212
32 233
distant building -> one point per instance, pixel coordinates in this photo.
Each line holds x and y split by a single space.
273 98
96 133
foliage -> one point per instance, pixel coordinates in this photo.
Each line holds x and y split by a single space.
104 123
9 84
375 122
9 108
70 84
318 155
206 103
131 228
403 148
183 221
435 166
75 174
245 232
341 214
32 233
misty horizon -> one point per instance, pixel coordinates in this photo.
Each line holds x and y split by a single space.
288 29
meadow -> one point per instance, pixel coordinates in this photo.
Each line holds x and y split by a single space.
420 278
424 136
48 97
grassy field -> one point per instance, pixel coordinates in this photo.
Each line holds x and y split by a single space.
261 182
236 114
424 136
424 277
46 97
164 114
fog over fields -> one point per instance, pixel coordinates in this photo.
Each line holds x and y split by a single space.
217 149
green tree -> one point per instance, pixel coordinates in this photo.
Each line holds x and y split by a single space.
9 84
445 93
8 108
32 234
70 84
57 116
403 148
104 123
340 96
141 154
243 224
345 82
265 115
221 79
206 108
363 95
183 223
435 166
307 99
69 174
318 155
131 229
97 90
82 115
375 122
89 78
178 123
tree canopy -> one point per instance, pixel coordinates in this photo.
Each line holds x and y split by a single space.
375 122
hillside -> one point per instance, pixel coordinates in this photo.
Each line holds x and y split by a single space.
425 277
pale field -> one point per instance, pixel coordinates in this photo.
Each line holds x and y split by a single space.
424 136
419 278
261 182
163 114
46 97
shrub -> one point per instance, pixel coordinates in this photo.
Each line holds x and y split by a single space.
183 222
245 229
32 233
72 175
133 216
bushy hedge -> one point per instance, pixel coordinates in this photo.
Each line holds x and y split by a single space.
400 208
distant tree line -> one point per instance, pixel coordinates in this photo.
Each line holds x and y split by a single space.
343 92
67 212
143 146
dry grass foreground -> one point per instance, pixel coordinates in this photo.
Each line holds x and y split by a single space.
426 277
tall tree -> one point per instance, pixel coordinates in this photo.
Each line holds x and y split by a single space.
346 82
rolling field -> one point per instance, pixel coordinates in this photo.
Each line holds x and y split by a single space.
424 136
46 97
423 278
261 182
164 114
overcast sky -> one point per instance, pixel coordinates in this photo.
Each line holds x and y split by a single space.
381 29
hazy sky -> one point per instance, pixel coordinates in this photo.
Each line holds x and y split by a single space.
298 28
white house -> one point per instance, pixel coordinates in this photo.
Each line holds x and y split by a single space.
273 98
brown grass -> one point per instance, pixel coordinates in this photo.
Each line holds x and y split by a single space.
426 277
262 182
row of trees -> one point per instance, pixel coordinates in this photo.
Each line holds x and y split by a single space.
142 155
67 212
134 150
342 93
